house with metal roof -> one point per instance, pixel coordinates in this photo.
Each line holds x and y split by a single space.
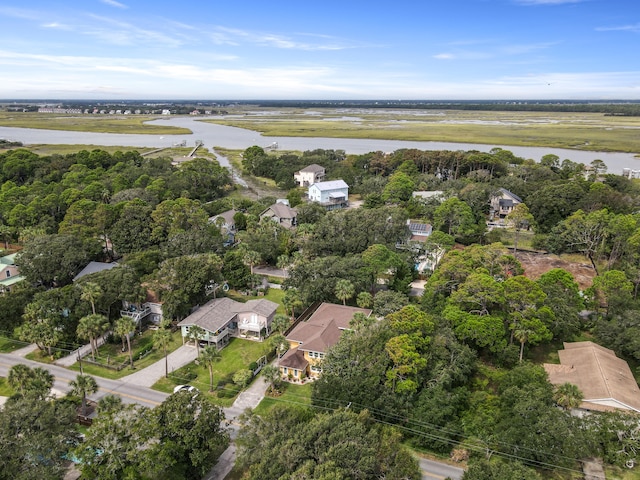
94 267
310 340
333 194
9 273
223 318
606 381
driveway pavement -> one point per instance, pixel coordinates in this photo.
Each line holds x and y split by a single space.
151 374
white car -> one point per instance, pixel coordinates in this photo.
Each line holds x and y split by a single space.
185 388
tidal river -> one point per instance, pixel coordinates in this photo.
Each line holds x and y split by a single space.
238 138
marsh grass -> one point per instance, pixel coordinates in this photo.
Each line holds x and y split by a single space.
90 123
583 131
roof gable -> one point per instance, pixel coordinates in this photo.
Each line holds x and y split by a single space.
324 327
603 378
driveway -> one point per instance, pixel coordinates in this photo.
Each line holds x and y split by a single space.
151 374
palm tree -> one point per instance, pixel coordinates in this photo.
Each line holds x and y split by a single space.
209 356
567 396
195 333
271 374
91 292
90 328
82 386
291 301
123 327
344 289
18 377
41 382
251 258
279 343
280 323
364 300
522 334
162 340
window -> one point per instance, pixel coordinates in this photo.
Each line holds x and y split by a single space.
285 370
295 372
316 369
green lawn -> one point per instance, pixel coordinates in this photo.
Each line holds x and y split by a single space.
9 344
299 395
112 352
5 389
238 355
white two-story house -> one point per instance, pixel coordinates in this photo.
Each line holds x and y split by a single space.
332 195
314 173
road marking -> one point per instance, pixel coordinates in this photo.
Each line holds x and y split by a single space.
132 397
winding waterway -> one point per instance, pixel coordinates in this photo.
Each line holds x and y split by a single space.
238 138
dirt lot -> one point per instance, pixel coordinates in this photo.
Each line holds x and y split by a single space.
535 264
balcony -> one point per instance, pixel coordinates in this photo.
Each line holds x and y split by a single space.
137 314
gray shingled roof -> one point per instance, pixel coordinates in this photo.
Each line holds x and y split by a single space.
217 313
313 168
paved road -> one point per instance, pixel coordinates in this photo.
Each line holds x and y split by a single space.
130 393
432 470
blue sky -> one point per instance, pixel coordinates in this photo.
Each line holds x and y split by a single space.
348 49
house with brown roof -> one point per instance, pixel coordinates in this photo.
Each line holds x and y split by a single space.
310 340
282 214
502 204
605 380
223 318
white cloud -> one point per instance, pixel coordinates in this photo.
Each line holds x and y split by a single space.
547 2
622 28
113 3
444 56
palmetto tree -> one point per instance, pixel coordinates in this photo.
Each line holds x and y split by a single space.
195 333
90 328
162 340
40 382
91 292
209 356
567 396
344 290
82 386
18 376
123 327
251 258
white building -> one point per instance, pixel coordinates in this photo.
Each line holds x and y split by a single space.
332 195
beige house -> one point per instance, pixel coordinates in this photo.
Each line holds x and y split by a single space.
310 340
282 214
309 175
605 380
503 203
9 274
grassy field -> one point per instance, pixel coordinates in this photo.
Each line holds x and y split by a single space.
74 148
90 123
299 395
5 389
584 131
112 352
235 356
9 345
